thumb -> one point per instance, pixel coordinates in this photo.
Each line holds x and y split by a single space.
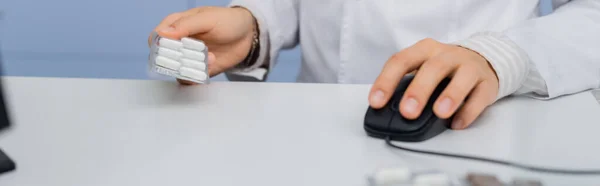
198 23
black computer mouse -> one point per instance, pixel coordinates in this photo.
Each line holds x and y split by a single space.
388 122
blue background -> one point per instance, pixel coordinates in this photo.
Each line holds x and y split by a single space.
96 39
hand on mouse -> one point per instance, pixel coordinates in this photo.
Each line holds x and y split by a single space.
471 75
227 32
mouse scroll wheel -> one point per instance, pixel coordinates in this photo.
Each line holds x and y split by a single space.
395 105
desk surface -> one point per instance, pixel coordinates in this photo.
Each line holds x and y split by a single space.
91 132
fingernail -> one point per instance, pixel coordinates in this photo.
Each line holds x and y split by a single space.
410 105
168 29
445 105
377 97
457 124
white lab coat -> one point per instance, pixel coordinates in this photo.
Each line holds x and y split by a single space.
348 41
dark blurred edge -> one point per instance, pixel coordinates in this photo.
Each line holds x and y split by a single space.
6 164
4 119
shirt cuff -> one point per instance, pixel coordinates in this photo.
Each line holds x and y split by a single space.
512 64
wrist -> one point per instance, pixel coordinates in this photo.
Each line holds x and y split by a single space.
483 59
252 37
509 63
254 52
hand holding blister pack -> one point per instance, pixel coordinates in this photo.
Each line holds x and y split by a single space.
185 59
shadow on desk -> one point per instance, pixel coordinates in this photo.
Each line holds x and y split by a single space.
170 93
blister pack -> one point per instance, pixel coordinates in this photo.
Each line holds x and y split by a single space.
185 59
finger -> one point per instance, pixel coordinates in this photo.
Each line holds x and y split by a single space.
479 99
213 68
393 71
211 61
463 81
198 23
418 93
165 23
170 19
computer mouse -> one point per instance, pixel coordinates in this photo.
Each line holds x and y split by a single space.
388 122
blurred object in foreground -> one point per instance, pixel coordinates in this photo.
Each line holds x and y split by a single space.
403 176
6 164
596 94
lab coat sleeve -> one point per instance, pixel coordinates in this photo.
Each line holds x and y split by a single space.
278 26
546 57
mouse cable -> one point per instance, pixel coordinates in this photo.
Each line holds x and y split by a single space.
506 163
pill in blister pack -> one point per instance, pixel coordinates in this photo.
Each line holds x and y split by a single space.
185 59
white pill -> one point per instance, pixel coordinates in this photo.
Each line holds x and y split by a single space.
392 176
432 180
193 44
172 54
170 44
198 65
194 74
195 55
167 63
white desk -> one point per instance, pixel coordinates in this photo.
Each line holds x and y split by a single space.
87 132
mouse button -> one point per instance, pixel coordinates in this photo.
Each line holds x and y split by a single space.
404 83
394 105
402 124
436 94
439 89
444 83
378 119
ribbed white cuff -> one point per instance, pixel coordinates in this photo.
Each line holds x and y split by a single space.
509 61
